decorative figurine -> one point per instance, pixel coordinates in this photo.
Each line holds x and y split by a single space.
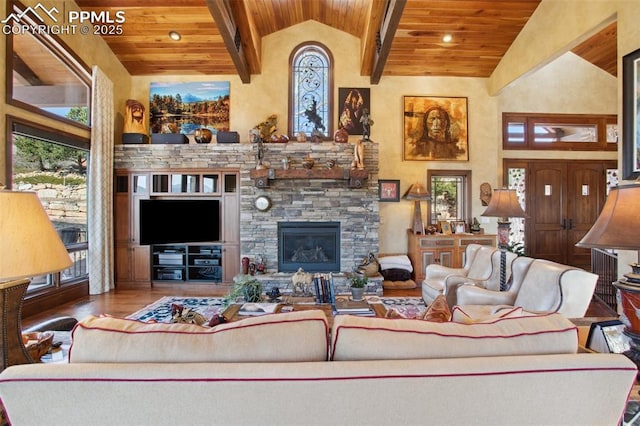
341 135
358 155
302 282
134 120
267 127
260 155
367 122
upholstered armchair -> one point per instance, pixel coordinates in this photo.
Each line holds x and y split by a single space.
538 286
482 268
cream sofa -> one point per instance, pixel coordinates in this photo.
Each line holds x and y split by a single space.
287 369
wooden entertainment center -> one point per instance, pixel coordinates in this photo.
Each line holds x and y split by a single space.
199 262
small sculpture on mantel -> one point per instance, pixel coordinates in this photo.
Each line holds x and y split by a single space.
135 118
260 155
367 122
358 155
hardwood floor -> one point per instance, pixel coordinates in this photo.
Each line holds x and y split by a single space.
122 302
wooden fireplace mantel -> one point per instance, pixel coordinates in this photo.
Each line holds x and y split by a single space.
356 177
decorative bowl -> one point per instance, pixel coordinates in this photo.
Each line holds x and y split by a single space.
308 163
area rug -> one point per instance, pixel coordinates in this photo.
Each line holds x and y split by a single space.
160 310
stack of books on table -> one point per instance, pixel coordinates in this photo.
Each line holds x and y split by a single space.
347 306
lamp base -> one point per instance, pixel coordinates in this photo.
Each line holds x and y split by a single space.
12 350
418 224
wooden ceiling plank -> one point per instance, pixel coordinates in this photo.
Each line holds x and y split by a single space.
221 12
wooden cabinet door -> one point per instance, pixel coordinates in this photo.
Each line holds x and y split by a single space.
230 262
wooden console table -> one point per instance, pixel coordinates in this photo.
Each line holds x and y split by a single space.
447 250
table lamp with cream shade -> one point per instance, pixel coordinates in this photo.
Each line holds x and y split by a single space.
417 193
29 246
503 205
618 227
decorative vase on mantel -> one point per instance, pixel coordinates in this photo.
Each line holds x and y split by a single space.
341 135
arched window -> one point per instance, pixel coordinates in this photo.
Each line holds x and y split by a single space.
310 93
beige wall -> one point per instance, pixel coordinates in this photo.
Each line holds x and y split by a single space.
528 79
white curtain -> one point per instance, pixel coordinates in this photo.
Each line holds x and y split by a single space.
100 191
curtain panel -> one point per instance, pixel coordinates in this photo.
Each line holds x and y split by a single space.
100 190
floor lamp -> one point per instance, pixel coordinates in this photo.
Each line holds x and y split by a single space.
617 228
417 193
503 205
29 246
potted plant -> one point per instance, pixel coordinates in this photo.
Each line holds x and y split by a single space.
246 286
358 283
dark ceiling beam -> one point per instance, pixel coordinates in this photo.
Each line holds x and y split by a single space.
222 13
249 36
23 70
368 43
384 37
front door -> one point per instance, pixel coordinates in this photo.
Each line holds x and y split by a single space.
563 201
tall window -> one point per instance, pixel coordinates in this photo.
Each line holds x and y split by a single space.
54 166
44 75
310 97
450 195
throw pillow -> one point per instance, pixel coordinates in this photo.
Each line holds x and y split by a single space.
438 310
396 274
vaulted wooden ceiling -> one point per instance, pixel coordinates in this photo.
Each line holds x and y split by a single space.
399 37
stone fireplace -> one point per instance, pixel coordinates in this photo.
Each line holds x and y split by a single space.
356 210
312 246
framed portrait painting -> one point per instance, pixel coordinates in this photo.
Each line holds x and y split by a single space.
388 190
435 128
353 101
631 116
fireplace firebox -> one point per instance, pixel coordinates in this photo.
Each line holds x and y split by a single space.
312 246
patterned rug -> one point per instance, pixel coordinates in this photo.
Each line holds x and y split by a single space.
160 310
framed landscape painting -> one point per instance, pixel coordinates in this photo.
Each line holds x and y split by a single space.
435 128
631 116
187 106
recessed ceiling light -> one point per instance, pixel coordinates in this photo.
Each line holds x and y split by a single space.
174 35
447 38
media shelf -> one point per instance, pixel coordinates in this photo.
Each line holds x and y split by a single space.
187 262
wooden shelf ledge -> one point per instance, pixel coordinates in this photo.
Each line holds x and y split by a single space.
355 177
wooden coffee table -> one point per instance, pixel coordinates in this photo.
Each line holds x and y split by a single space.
231 313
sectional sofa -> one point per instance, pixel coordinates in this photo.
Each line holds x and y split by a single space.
292 369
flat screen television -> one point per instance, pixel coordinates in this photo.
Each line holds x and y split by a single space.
179 221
